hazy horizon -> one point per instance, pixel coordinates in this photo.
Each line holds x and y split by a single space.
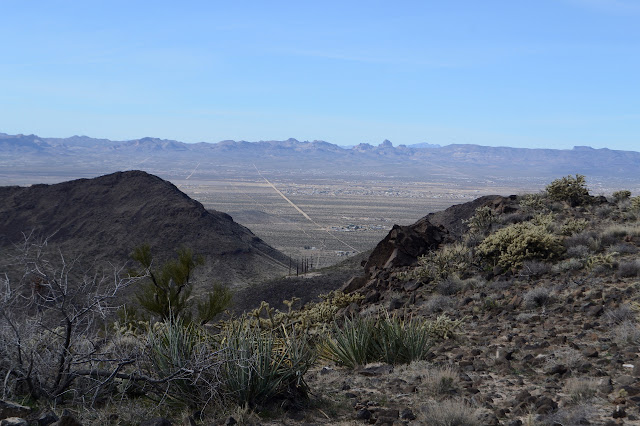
549 74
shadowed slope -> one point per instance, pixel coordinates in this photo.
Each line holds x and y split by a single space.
106 217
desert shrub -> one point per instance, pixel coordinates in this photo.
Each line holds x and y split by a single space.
566 356
627 333
482 221
438 303
449 412
578 252
311 318
615 233
586 238
574 226
533 202
441 380
515 217
569 189
635 203
622 195
622 248
568 265
258 367
510 246
629 269
622 313
572 415
52 309
439 264
537 297
604 211
450 285
600 262
534 268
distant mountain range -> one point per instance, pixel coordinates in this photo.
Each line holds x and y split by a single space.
31 154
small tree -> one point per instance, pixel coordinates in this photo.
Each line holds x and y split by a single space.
167 292
571 189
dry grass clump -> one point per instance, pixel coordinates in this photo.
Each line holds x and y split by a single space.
581 390
450 412
441 380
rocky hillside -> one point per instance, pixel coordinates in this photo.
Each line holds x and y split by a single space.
550 333
106 217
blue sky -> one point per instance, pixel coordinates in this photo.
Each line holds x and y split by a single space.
546 73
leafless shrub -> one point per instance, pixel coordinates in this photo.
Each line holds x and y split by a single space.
578 252
50 310
534 268
627 333
568 265
623 248
537 297
449 286
438 303
629 269
565 356
517 217
621 314
587 238
570 416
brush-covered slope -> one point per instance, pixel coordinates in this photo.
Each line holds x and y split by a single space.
106 217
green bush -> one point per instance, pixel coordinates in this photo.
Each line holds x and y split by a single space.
635 203
482 221
570 189
510 246
450 259
532 202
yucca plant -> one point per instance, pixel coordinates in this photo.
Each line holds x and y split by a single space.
401 341
183 362
390 339
259 366
351 344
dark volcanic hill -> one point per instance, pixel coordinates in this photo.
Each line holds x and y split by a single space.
106 217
